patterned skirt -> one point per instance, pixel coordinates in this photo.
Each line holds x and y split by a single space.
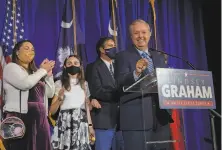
71 131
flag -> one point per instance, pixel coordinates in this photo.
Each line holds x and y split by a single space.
112 31
13 31
7 41
177 130
3 63
66 37
13 20
177 126
113 10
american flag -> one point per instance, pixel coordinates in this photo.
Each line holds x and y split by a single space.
13 27
13 20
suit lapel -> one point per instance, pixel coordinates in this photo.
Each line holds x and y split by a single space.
106 71
134 51
155 58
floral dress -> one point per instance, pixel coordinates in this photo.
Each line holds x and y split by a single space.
71 131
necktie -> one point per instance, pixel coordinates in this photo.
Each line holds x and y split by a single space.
111 70
150 61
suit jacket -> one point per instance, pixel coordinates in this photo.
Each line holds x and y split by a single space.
103 88
88 75
88 71
135 113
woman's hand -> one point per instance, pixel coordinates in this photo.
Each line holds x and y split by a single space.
89 104
47 65
49 73
61 94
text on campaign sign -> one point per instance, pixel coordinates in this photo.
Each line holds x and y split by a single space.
189 89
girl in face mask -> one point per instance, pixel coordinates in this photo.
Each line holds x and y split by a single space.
27 89
73 126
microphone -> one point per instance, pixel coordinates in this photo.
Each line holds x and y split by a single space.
186 61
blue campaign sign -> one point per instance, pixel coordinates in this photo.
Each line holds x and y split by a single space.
185 89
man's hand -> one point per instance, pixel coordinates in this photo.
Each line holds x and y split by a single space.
95 104
141 65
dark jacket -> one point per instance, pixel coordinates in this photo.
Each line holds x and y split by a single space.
137 113
103 88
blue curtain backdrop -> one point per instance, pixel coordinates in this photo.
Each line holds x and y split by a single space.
180 32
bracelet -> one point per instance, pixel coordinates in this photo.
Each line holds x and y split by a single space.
90 125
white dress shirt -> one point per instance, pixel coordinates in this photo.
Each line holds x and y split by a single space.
108 64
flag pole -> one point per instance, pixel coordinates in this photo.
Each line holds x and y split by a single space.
114 21
75 51
175 113
154 20
152 2
14 22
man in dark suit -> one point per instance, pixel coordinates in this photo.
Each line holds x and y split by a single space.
88 72
141 120
103 89
88 75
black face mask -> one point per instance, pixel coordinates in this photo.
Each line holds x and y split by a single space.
111 53
73 70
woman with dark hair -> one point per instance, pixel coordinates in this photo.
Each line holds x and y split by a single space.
24 82
74 124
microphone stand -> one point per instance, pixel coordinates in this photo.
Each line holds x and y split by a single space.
213 113
186 61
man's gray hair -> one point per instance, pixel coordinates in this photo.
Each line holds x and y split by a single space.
138 21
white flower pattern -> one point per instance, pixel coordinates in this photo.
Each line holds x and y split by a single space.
71 131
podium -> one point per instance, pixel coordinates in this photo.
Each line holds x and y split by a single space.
175 89
146 86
